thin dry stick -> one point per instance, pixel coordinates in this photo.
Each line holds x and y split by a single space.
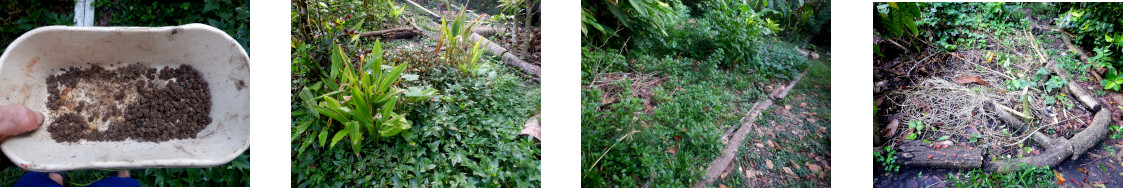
1035 48
984 67
606 152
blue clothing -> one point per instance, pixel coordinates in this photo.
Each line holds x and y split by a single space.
39 179
36 179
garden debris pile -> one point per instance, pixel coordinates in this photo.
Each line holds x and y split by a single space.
133 102
640 85
953 100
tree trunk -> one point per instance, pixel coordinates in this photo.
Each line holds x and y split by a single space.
508 58
526 27
921 154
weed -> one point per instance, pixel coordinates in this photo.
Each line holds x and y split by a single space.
888 159
918 126
1116 132
1025 176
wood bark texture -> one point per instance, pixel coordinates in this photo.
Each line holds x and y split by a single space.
508 58
395 33
920 154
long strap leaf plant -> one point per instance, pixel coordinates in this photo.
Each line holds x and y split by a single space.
453 36
364 102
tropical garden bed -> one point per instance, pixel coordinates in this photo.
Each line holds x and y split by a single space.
678 94
425 102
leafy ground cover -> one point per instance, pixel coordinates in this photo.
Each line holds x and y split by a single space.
969 53
441 116
662 85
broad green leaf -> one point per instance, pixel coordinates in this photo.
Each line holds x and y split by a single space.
331 114
377 53
394 125
356 137
304 145
309 102
299 130
323 137
346 130
409 77
391 77
388 109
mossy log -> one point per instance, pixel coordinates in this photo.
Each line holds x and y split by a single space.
920 154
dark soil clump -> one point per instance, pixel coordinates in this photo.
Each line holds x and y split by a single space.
134 102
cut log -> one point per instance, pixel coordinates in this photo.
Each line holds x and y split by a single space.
1086 99
920 154
395 33
485 31
508 58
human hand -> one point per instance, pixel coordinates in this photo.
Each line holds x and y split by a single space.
17 119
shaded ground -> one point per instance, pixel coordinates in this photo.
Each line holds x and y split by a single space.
1100 168
790 144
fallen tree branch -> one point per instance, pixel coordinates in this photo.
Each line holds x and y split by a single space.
508 58
1060 148
1086 99
719 165
395 33
779 94
920 154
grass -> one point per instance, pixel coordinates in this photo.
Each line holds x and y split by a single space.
625 144
1025 176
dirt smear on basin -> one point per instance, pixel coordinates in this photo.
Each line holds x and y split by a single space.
133 102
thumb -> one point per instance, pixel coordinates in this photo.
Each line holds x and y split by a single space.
18 119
